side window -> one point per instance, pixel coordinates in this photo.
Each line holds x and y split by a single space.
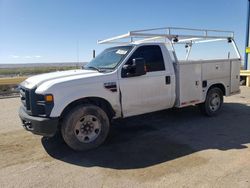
152 55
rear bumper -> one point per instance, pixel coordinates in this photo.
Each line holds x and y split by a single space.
39 125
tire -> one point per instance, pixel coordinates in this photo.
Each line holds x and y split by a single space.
213 102
85 127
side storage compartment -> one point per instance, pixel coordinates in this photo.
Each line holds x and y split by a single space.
235 76
189 84
216 72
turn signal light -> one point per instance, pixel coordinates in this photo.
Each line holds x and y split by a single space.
49 98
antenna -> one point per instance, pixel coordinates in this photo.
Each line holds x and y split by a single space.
77 53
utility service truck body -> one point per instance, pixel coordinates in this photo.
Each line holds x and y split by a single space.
129 79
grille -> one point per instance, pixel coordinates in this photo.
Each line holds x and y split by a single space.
25 98
33 103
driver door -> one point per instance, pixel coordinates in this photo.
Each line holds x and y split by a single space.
149 92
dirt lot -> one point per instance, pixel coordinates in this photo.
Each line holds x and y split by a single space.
172 148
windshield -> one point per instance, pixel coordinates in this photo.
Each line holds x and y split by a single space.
109 58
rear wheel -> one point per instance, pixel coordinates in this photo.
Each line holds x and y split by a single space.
213 102
85 127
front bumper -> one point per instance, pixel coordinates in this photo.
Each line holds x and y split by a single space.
39 125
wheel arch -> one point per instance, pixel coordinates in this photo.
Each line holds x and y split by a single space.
98 101
220 86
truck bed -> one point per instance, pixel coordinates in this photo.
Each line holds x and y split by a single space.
193 79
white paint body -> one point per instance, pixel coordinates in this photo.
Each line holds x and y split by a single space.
141 94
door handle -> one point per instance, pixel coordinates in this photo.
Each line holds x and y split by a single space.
168 80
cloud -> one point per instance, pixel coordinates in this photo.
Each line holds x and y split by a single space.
27 57
14 56
37 56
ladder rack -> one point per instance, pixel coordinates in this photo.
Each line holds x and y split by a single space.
173 35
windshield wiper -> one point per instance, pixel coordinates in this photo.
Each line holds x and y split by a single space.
94 68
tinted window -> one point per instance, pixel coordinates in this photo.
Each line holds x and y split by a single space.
152 55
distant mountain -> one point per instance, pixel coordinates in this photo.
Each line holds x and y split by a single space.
69 64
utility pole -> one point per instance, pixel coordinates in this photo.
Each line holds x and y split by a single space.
247 55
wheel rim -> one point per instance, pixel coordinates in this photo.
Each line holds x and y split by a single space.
215 102
87 128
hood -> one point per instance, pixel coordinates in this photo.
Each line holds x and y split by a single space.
35 81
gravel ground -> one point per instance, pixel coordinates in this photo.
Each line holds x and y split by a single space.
171 148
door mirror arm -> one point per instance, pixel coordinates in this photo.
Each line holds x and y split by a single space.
137 68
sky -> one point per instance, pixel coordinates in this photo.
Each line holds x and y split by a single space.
48 31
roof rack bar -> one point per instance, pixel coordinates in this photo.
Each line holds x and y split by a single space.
186 29
114 38
236 49
210 40
150 39
168 33
189 39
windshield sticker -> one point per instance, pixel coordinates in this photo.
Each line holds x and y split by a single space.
121 52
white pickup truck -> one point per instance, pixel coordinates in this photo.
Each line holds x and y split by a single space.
132 78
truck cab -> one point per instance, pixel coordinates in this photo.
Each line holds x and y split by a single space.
122 81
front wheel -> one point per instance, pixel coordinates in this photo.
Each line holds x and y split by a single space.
85 127
213 102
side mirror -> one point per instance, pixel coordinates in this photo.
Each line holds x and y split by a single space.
137 68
